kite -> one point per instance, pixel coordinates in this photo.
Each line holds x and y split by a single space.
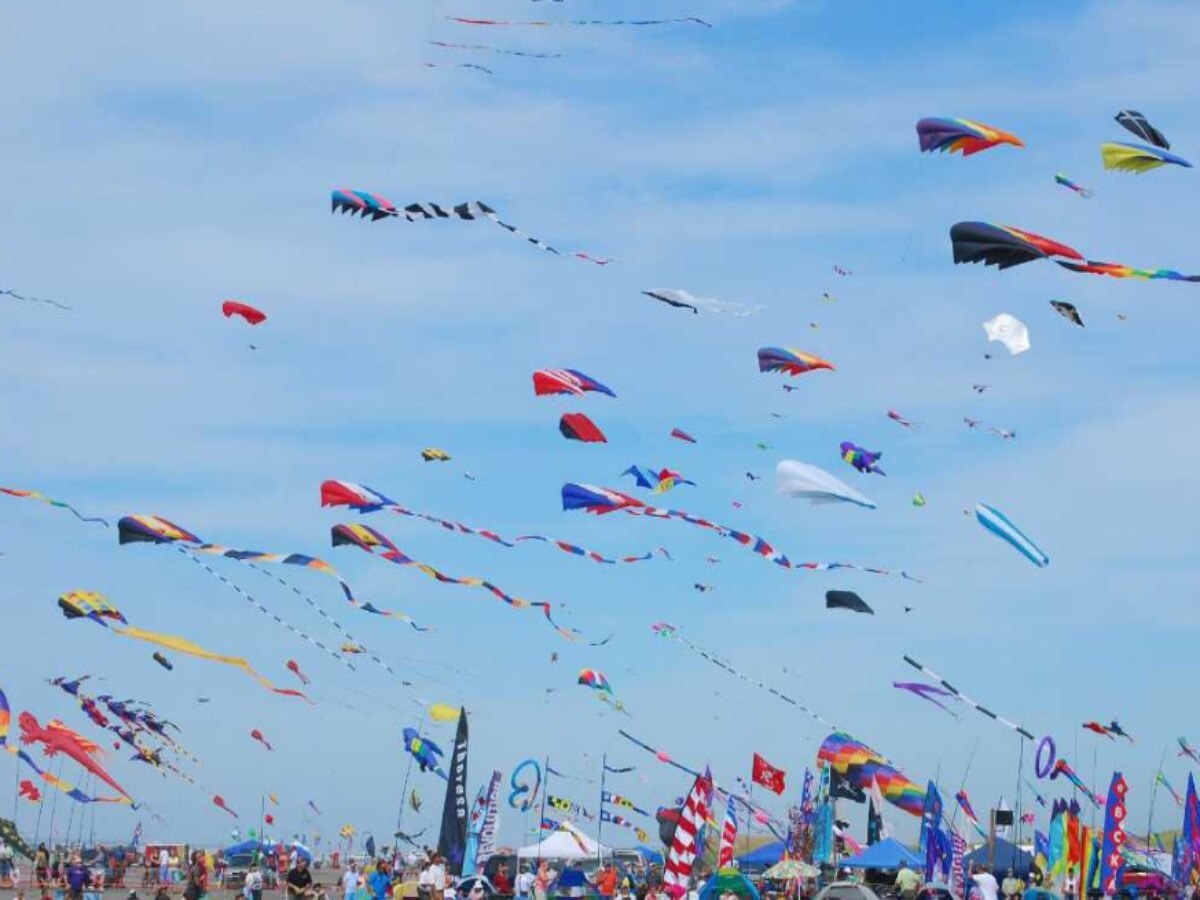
681 435
566 381
38 495
1008 330
57 738
424 751
484 69
683 300
161 659
1062 768
788 361
918 499
594 680
294 668
11 293
258 736
523 794
1085 193
807 482
367 500
1114 727
670 632
378 544
219 801
1097 728
847 600
1023 732
489 49
864 461
157 530
927 692
838 270
900 420
703 588
961 136
433 454
374 207
313 807
84 604
964 803
1004 247
440 712
999 524
1135 122
414 800
1137 158
859 765
269 819
578 427
577 22
1159 778
251 315
1067 311
1187 750
27 790
660 482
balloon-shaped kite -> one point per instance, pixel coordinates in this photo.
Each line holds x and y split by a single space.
1001 526
258 736
218 800
864 461
294 668
424 751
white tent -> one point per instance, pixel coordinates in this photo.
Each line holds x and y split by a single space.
569 844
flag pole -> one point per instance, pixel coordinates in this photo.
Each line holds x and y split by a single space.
542 816
1153 794
600 823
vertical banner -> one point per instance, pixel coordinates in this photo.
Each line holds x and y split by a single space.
452 840
1112 859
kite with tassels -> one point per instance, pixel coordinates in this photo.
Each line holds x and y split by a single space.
1062 768
929 692
959 695
9 292
376 207
487 48
366 500
38 495
684 20
94 606
378 544
601 501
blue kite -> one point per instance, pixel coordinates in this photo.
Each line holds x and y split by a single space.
425 752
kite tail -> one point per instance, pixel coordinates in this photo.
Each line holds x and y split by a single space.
540 244
38 495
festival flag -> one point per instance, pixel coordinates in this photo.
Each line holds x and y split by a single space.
958 875
934 839
768 776
682 855
483 807
1112 859
452 841
1041 851
729 833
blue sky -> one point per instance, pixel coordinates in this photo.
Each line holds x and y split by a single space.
163 158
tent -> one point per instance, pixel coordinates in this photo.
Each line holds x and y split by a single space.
766 855
1004 856
568 844
245 848
887 854
649 854
729 880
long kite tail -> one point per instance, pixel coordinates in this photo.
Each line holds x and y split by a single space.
538 23
38 495
56 304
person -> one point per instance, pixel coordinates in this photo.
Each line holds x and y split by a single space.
478 891
986 882
425 881
164 865
605 880
1072 883
350 881
524 883
41 867
1012 886
908 882
437 878
162 893
625 890
542 881
197 877
253 888
300 881
76 877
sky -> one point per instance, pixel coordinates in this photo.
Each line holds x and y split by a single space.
164 157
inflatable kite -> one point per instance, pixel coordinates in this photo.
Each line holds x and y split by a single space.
251 315
578 427
1085 193
681 435
1097 728
961 136
789 362
1114 727
807 482
1001 526
27 790
1133 121
566 381
900 420
294 668
1137 158
219 801
161 659
375 207
859 765
847 600
864 461
424 751
258 736
1067 311
56 738
594 680
1009 331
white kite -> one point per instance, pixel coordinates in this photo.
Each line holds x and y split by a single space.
798 479
684 300
1008 330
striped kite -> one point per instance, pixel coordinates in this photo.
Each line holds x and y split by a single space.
1001 526
566 381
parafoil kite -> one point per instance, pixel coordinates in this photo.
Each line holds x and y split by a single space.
376 207
258 736
595 680
1085 193
161 659
566 381
863 460
578 427
433 454
847 600
1067 311
805 481
1137 158
1009 331
294 668
682 435
249 313
788 361
1001 526
38 495
424 751
860 765
961 136
1133 121
684 300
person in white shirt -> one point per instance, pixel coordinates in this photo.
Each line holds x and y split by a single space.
253 888
437 878
350 881
164 865
986 882
524 883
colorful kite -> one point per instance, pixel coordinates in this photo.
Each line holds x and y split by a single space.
258 736
367 500
577 22
928 692
251 315
660 482
1185 749
1023 732
566 381
961 136
490 49
82 604
682 435
1133 121
964 803
1067 311
376 207
433 454
294 668
864 461
789 362
683 300
38 495
1001 526
424 751
378 544
595 680
1137 158
1063 769
859 765
1009 331
1160 778
1097 728
219 801
56 738
818 487
578 427
1085 193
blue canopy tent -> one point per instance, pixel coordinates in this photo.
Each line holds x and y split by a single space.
887 854
649 854
1004 856
766 855
245 848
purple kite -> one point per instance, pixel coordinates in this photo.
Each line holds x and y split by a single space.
926 692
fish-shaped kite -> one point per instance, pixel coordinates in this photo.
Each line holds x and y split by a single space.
294 668
863 460
258 736
219 801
